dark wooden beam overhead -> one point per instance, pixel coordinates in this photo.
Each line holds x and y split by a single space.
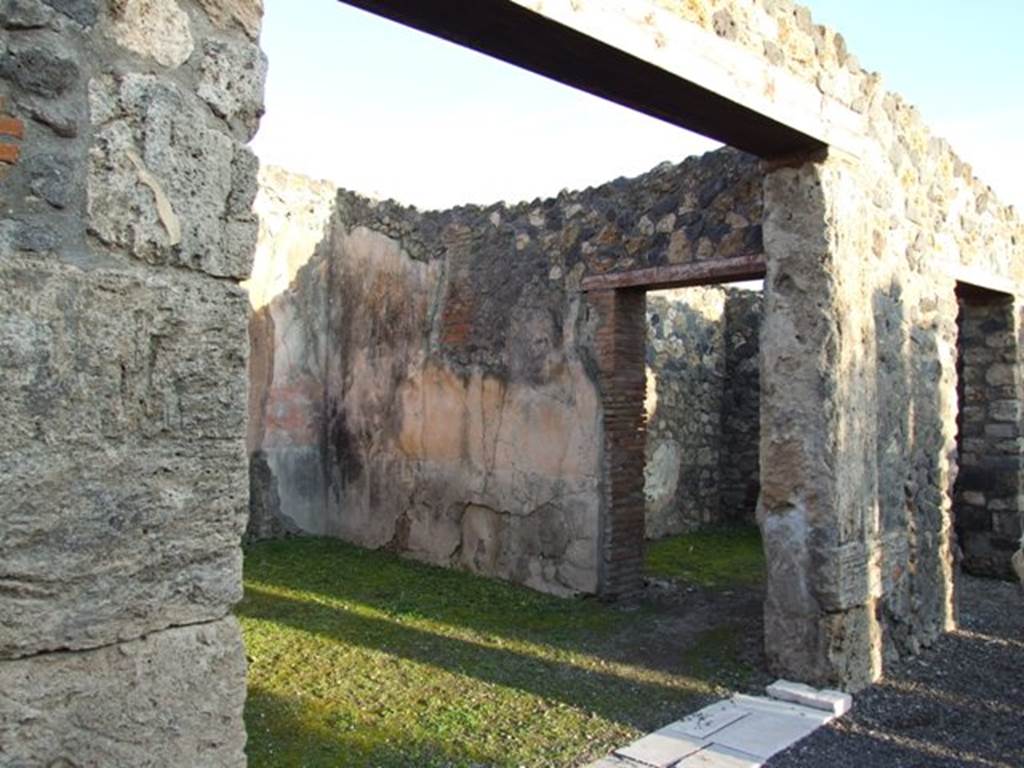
710 272
512 33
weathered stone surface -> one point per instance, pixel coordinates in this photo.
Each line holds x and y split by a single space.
51 177
987 508
703 406
82 11
134 524
122 388
231 77
45 71
151 143
248 14
172 698
24 14
740 461
159 29
686 370
797 487
455 462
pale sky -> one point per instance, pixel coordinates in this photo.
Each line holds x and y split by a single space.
391 112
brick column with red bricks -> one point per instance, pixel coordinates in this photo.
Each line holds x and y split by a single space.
620 347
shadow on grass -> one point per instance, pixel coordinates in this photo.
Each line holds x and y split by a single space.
282 734
407 589
637 703
385 661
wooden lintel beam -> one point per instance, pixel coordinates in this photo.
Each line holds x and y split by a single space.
711 272
506 30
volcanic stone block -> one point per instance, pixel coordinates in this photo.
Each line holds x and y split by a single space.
172 698
161 182
123 473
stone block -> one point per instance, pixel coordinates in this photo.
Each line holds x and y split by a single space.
763 734
82 11
115 543
827 700
1007 503
1001 431
161 182
973 518
247 14
159 29
708 721
662 748
43 70
995 476
102 358
123 475
1007 526
231 77
974 498
1001 375
717 756
24 14
172 698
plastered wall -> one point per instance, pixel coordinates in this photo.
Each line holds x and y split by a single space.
426 381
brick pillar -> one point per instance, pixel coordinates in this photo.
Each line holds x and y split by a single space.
620 344
987 501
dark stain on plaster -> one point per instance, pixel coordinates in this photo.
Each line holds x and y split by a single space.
340 447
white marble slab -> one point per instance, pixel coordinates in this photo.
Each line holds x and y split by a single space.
827 700
662 748
615 762
706 722
773 707
762 734
717 756
742 732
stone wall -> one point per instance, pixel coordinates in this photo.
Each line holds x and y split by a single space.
703 406
686 373
126 193
739 475
988 484
428 381
859 405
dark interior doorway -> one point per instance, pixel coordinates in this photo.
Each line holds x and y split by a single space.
987 495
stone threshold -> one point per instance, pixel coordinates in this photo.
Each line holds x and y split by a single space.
740 732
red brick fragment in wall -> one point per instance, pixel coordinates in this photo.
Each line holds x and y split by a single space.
11 126
620 344
9 153
456 320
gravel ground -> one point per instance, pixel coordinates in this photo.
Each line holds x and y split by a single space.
959 703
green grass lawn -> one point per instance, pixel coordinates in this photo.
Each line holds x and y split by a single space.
716 557
360 658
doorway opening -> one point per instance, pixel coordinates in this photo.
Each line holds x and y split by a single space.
987 495
703 408
701 478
